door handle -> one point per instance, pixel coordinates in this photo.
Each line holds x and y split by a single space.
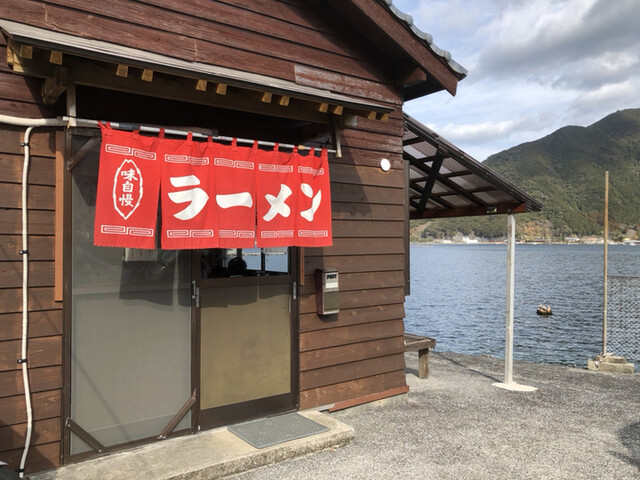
195 293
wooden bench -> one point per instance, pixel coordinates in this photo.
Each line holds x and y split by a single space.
422 345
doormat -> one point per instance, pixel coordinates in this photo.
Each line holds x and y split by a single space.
266 432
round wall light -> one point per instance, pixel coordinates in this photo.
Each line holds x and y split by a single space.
385 165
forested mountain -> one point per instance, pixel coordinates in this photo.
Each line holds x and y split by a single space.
565 171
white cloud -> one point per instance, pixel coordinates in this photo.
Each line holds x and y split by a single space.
609 97
595 72
544 39
534 66
481 132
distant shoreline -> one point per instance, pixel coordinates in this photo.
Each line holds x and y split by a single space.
521 243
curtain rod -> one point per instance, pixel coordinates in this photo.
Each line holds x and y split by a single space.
84 122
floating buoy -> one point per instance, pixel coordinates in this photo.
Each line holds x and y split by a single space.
543 310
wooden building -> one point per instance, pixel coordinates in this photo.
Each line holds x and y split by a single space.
123 350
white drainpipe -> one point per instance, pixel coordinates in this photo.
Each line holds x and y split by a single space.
30 124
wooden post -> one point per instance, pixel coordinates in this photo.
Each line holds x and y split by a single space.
606 249
423 363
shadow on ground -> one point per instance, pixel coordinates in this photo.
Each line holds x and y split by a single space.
630 438
458 363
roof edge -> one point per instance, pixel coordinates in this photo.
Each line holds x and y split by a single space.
426 39
532 205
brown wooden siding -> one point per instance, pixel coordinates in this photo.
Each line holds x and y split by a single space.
359 351
45 316
353 354
267 40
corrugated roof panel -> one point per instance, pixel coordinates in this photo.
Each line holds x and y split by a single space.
415 152
458 201
452 165
413 173
493 197
506 196
439 189
470 182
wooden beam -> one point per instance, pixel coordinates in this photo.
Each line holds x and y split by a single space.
411 75
100 75
385 117
266 97
122 70
377 14
55 86
26 51
221 89
201 85
431 181
82 151
433 197
490 188
337 109
55 57
147 75
515 207
17 66
10 58
323 107
284 100
372 115
58 283
178 417
461 173
85 436
26 66
445 181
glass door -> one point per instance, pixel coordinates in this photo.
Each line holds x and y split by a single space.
246 309
130 330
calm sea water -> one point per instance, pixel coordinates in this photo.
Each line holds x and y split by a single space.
458 296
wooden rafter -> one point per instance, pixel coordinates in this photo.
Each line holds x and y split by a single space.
433 197
515 207
412 141
445 181
431 181
473 189
44 48
461 173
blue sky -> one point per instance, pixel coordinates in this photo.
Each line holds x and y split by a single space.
534 66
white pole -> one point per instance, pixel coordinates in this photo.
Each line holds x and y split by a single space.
606 245
508 346
508 383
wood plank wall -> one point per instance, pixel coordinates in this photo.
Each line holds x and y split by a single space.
353 354
45 316
359 351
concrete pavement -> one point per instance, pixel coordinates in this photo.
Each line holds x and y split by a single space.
454 425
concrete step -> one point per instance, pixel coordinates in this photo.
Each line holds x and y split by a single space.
212 454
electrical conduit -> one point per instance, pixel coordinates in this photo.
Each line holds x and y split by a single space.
30 124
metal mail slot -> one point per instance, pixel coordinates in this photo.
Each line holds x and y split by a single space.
328 291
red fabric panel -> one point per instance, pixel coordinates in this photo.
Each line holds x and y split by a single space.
188 209
234 182
277 191
128 185
313 219
210 194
